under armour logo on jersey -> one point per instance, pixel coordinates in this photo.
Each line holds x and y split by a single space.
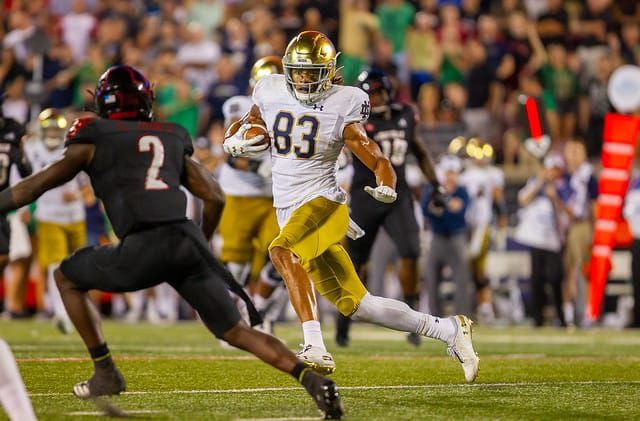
318 107
10 136
364 110
402 123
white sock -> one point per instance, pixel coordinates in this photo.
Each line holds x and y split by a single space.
240 271
55 300
440 328
13 394
397 315
313 334
259 302
567 309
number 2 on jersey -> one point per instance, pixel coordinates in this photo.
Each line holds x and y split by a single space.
154 145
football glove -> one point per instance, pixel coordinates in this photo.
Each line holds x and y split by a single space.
236 145
384 194
354 231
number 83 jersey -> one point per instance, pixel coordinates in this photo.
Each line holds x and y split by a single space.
307 140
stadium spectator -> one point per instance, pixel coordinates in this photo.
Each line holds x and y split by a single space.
542 227
630 41
198 56
553 25
424 56
395 17
449 240
594 105
77 27
580 232
561 82
363 27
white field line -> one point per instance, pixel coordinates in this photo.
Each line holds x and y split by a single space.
397 387
101 413
497 357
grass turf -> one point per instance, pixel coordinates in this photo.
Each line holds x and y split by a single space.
180 372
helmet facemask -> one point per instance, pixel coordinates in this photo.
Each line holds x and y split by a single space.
309 66
308 82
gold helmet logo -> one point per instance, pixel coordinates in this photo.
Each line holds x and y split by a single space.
267 65
309 66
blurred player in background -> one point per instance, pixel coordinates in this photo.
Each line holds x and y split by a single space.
136 167
310 119
484 183
11 155
393 127
249 223
60 214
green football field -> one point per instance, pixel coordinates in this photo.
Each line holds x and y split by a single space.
180 372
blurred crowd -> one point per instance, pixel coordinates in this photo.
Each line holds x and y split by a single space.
464 65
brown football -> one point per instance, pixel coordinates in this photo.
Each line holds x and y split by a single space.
255 130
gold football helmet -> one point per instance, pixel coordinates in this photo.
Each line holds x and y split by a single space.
53 125
309 66
267 65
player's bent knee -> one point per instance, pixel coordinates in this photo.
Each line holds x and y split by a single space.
347 305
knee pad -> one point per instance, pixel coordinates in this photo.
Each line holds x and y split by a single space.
347 305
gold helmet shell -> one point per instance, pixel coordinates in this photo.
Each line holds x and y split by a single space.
312 54
52 118
267 65
53 125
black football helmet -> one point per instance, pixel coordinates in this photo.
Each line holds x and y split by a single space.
124 93
374 81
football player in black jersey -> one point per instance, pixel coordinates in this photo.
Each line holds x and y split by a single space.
393 127
11 153
136 167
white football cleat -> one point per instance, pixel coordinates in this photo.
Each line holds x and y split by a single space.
462 347
317 359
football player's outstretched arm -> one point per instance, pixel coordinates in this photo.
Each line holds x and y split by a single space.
203 186
368 151
75 158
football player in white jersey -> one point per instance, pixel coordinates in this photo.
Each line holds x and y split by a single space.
309 120
13 395
485 184
248 223
60 214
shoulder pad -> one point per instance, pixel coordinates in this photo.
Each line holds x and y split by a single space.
77 125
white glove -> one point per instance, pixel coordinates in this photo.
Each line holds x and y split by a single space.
384 194
236 145
354 231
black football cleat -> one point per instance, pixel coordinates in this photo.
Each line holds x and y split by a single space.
324 392
105 383
414 339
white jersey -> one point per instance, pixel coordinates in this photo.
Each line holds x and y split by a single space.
51 207
306 140
236 182
480 183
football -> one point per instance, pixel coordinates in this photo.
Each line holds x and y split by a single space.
255 130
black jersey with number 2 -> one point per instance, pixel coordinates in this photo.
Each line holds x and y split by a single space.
136 169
